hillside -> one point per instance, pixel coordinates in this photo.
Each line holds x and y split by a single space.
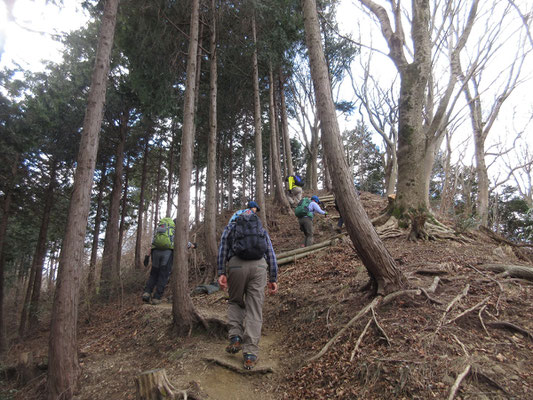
475 322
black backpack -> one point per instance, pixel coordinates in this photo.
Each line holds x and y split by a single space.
249 239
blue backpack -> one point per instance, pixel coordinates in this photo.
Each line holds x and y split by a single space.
249 239
298 181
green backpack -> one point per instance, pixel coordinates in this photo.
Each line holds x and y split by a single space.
164 235
302 209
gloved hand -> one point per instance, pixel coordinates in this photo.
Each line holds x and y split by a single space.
146 260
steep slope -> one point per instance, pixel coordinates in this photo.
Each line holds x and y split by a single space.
414 347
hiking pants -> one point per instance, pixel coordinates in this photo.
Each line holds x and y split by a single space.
161 267
246 281
306 226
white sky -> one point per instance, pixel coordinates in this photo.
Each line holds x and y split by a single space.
28 39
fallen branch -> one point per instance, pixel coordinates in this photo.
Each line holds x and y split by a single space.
458 381
231 367
510 326
360 339
339 333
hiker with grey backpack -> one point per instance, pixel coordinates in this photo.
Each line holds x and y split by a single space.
162 257
246 262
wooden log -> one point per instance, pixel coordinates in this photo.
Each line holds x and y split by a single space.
325 243
154 385
293 258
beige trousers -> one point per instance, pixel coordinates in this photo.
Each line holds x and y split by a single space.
246 281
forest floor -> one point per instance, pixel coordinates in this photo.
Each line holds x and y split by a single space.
476 322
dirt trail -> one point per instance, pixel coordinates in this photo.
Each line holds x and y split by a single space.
116 354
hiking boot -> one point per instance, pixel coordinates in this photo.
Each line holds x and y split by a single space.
155 302
235 345
146 297
249 360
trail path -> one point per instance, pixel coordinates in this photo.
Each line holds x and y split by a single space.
117 353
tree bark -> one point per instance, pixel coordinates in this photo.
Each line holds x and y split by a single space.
139 240
40 250
377 260
63 367
285 125
210 198
110 270
184 314
259 174
6 205
420 130
280 198
168 214
123 213
91 279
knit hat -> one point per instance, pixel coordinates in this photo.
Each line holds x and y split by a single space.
252 204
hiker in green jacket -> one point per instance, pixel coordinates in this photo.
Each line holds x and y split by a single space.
305 219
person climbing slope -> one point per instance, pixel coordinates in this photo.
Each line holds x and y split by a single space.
305 211
244 256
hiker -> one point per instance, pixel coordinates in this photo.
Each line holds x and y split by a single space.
295 183
244 256
162 257
305 211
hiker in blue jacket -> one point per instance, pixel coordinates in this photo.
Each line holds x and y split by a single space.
306 222
246 278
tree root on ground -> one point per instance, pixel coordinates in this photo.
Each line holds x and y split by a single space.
239 370
387 227
512 327
154 385
515 271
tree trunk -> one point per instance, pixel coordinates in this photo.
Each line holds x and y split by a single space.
6 205
285 125
158 187
123 213
40 251
259 186
63 367
211 185
231 183
110 276
168 214
377 260
139 240
91 279
280 198
184 314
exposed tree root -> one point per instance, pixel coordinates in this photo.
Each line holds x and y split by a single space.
515 271
450 306
154 385
517 248
239 370
360 339
387 226
458 381
512 327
